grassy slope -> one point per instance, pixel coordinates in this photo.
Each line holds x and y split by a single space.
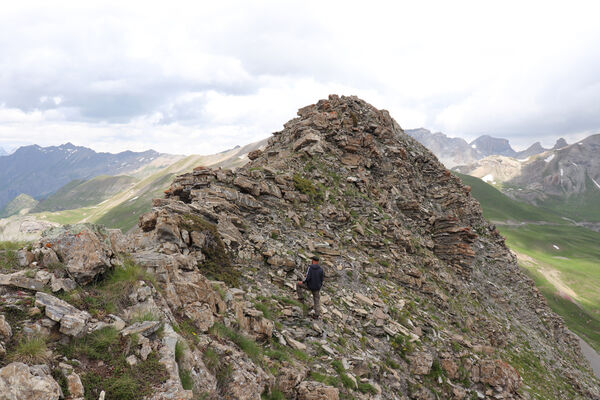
576 262
17 204
78 193
123 209
499 207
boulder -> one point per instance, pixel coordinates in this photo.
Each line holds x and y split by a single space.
21 382
84 249
75 386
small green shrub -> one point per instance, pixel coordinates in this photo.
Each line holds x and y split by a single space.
306 187
436 370
274 394
265 309
326 379
9 260
180 348
247 345
401 345
211 359
345 379
61 379
365 387
186 379
102 344
147 316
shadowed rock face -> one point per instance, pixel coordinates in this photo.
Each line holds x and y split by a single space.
421 296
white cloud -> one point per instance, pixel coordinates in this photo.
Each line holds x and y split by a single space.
138 75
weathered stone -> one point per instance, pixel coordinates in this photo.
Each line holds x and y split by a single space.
5 329
75 386
20 382
84 249
498 373
420 362
72 320
145 328
309 390
25 258
131 360
19 280
289 377
293 342
64 284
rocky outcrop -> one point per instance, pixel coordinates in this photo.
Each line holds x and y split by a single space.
72 321
81 248
21 382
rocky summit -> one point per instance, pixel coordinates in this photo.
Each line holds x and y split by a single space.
421 300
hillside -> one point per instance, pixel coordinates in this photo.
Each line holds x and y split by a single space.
40 171
562 258
21 203
80 193
421 300
497 206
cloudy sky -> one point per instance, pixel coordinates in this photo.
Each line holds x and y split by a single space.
200 77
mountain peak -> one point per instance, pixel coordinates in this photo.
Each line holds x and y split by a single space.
560 143
488 145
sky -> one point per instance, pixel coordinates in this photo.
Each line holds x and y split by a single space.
200 77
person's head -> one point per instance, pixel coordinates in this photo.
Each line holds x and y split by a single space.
315 259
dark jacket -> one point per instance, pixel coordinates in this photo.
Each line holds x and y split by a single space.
314 277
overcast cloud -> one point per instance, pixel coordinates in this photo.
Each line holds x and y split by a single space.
200 77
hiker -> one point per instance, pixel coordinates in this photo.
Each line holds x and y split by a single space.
312 282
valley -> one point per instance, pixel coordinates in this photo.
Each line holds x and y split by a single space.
561 257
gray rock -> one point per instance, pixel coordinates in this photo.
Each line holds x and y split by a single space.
72 320
145 328
5 329
20 382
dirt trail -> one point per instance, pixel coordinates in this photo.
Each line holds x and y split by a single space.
551 275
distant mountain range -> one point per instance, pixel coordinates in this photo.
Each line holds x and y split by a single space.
457 151
565 179
3 152
40 171
116 200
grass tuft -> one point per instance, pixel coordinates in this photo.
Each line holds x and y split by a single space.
31 350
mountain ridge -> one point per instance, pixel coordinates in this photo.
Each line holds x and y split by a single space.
39 171
453 152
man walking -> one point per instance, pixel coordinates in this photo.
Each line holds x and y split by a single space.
312 282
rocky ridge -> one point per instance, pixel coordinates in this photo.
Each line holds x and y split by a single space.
422 299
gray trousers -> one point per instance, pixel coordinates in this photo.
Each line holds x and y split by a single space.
300 288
